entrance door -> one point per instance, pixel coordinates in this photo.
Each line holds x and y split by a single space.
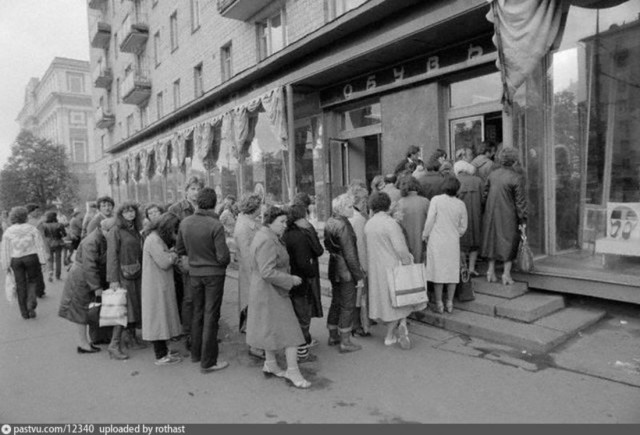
361 159
470 131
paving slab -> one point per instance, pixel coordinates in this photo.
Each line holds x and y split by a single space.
530 306
480 285
483 304
571 320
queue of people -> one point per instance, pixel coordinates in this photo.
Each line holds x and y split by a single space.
173 263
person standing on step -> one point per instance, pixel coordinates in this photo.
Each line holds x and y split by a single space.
201 238
345 273
183 209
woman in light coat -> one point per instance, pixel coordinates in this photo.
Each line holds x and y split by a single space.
160 318
446 223
386 248
271 322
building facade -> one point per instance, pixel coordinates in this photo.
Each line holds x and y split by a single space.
58 107
284 96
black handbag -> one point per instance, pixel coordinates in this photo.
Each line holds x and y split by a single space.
464 288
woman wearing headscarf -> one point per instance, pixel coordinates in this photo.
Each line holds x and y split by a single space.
505 212
271 322
470 193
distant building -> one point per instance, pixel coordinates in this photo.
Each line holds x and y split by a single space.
58 107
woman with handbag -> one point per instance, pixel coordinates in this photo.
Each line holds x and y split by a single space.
87 278
271 322
54 233
446 223
23 253
386 248
505 211
160 318
124 270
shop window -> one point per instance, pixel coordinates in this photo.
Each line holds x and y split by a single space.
335 8
176 94
361 117
173 29
482 89
304 143
272 34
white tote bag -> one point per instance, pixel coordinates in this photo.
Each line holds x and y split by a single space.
10 287
113 311
407 285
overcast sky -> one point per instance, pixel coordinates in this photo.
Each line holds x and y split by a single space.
32 33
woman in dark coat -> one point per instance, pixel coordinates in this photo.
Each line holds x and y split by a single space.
88 275
471 189
505 211
124 270
304 248
54 233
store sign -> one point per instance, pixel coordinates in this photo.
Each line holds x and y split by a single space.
423 67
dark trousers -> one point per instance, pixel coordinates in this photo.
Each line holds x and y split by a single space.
186 308
25 271
302 308
160 348
206 292
343 304
55 257
40 288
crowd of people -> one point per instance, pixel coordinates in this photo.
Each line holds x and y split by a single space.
172 260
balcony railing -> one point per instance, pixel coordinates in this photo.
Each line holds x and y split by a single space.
102 77
136 88
104 118
135 33
241 9
96 4
100 35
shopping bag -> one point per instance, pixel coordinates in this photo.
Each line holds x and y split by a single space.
113 310
407 285
464 288
10 287
524 260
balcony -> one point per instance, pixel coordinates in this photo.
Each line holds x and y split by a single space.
100 35
136 88
241 9
135 32
104 118
96 4
102 77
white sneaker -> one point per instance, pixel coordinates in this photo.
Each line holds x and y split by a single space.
168 360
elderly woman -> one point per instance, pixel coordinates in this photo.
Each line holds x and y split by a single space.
386 248
54 233
446 222
124 270
23 253
247 226
304 248
505 211
413 209
87 279
160 318
470 193
358 221
345 273
271 322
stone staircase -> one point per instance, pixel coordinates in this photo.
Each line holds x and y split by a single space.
511 315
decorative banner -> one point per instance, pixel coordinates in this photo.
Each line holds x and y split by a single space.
133 170
161 155
110 176
124 169
143 159
116 172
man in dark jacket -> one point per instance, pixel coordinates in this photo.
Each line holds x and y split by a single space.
201 237
183 209
345 273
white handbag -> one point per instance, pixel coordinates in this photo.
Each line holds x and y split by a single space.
407 285
113 311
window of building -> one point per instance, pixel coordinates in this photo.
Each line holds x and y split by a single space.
144 120
156 48
335 8
159 105
198 88
226 70
77 118
195 15
75 82
176 94
79 150
477 90
130 125
272 34
173 28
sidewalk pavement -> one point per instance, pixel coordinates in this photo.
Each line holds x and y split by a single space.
445 378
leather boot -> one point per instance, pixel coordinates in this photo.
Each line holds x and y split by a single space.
115 352
334 337
346 345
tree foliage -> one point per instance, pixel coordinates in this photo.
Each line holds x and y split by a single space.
37 172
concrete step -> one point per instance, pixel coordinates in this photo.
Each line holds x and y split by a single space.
539 337
480 285
483 304
530 306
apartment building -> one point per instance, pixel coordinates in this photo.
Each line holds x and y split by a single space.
282 96
58 107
